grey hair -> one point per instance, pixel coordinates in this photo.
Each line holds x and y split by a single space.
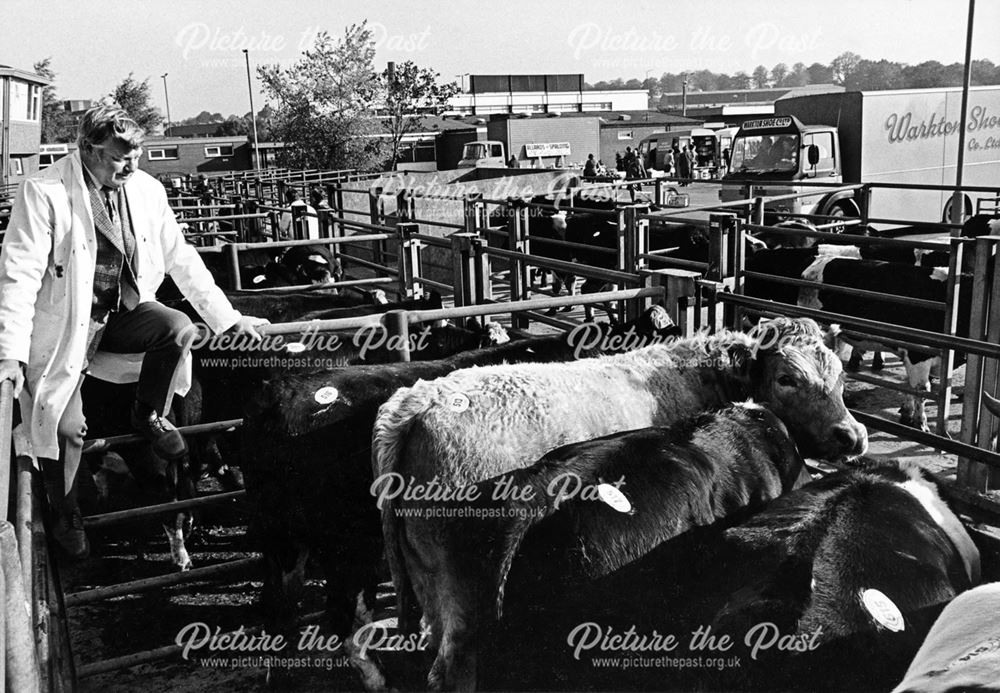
109 122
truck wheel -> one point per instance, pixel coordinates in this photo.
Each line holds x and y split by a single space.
966 212
844 209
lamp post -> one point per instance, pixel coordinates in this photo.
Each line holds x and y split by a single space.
253 116
684 97
166 97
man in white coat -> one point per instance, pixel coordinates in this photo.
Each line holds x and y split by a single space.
89 242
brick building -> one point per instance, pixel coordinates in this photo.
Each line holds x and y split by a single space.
20 123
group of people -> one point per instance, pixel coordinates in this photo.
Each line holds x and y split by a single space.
594 169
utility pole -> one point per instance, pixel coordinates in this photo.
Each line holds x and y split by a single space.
253 116
166 97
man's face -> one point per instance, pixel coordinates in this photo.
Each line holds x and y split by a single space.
112 163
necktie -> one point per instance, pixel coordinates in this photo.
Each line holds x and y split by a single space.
129 292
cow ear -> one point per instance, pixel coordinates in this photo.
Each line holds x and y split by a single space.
741 358
473 325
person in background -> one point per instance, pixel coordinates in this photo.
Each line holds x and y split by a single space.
688 155
512 162
590 168
90 240
286 221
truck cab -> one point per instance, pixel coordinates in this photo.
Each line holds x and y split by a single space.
779 152
483 153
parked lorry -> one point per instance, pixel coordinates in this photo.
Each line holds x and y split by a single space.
905 136
483 153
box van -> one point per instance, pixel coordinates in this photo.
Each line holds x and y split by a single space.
704 142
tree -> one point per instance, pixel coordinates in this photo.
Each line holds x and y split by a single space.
410 93
741 80
56 125
134 98
778 74
819 73
869 75
652 85
760 77
843 65
324 104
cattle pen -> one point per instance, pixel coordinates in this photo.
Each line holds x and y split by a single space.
414 243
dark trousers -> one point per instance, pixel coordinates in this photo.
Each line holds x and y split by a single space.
150 328
155 330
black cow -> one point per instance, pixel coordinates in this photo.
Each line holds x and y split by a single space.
154 480
265 268
927 283
308 457
830 588
857 565
585 510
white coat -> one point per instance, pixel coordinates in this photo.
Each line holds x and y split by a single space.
47 283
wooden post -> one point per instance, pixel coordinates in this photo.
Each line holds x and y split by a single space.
517 230
234 265
636 244
720 253
300 228
398 328
481 265
239 225
733 316
864 198
337 202
408 260
757 216
377 218
470 215
463 268
951 313
681 290
254 232
970 474
658 192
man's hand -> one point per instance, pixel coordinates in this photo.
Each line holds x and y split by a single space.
247 325
12 370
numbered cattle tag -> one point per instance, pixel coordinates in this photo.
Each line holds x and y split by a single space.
883 610
325 395
613 497
318 259
259 279
295 348
458 402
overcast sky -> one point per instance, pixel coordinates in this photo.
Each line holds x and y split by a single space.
94 44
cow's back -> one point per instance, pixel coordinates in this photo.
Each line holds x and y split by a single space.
480 422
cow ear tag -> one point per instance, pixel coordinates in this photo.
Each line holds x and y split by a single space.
295 347
613 497
883 610
458 402
259 279
325 395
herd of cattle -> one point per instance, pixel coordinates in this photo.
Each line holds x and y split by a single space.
580 512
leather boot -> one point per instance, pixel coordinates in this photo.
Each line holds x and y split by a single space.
65 520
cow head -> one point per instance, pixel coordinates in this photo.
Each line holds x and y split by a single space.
794 371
